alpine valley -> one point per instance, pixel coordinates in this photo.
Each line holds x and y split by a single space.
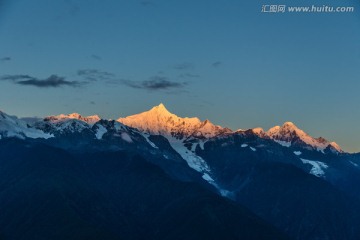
155 175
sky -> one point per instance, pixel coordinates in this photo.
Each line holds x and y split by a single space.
220 60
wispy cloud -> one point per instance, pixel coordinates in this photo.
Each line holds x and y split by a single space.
53 81
155 83
184 66
147 3
5 59
95 75
216 64
189 75
96 57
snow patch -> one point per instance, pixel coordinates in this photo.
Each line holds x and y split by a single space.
355 164
146 136
100 131
283 143
226 193
126 137
119 126
207 177
191 158
193 147
317 167
201 144
194 161
297 153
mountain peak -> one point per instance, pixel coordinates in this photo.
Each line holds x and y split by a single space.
289 125
64 117
161 106
74 115
289 134
259 131
158 120
160 109
336 146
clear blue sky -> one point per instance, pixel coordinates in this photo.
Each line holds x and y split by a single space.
219 60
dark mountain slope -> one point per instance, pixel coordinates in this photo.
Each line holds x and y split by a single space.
47 193
275 184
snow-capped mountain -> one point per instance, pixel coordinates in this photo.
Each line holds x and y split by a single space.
91 120
183 134
187 136
258 131
188 132
289 134
263 170
159 121
11 126
64 124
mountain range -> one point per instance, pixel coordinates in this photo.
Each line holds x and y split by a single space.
136 177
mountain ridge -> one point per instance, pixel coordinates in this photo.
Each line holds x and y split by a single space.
160 121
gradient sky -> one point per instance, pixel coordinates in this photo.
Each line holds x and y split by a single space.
219 60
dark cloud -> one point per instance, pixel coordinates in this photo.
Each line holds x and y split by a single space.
51 82
158 84
216 64
4 59
155 83
96 57
184 66
95 75
16 77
